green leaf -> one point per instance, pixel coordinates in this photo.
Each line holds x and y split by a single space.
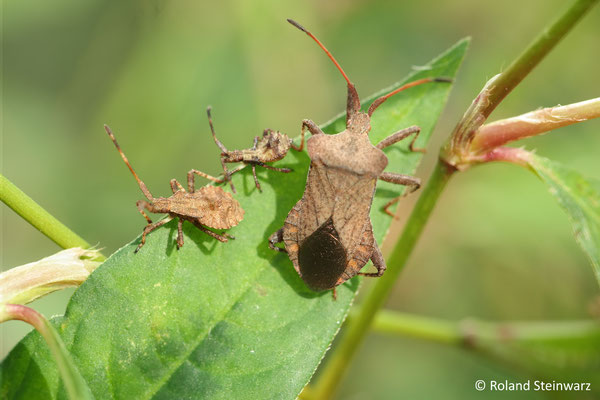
219 320
580 198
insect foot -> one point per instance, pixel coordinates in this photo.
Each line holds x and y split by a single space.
328 234
270 147
207 207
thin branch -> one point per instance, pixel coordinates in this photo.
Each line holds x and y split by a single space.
472 333
41 219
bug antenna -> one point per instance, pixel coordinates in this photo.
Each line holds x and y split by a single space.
212 130
303 29
353 103
139 181
383 98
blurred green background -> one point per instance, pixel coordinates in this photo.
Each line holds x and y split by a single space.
498 247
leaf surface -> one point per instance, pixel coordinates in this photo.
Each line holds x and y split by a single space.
219 320
580 198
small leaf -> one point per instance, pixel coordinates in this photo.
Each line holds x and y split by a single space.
580 198
220 320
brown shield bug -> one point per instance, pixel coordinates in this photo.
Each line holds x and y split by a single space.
208 206
270 147
328 234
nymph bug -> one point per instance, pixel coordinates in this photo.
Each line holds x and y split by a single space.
328 234
208 206
270 147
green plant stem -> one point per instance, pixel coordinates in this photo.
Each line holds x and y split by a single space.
74 383
358 327
533 54
476 334
416 326
41 219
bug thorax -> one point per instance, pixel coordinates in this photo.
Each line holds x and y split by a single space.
359 123
273 146
158 205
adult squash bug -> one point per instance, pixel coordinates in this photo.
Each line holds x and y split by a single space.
328 234
208 206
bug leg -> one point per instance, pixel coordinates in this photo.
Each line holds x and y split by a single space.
209 232
386 207
176 186
179 234
334 293
227 174
400 135
412 182
231 172
255 178
212 130
149 228
141 204
265 133
191 177
286 170
378 262
406 180
275 238
312 127
224 154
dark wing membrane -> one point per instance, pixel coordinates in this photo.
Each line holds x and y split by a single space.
322 258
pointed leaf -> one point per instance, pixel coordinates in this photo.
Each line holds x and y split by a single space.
580 198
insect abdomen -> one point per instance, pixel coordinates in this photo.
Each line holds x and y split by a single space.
322 258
